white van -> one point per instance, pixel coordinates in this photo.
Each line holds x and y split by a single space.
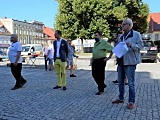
30 49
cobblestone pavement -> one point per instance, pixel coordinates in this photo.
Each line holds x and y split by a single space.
38 101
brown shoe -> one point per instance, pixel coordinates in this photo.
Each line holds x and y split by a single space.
130 106
117 101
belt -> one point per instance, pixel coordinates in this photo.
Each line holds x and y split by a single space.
58 58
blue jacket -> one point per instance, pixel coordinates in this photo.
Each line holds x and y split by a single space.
63 51
133 56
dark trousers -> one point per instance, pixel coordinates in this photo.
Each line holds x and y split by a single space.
16 72
45 62
98 72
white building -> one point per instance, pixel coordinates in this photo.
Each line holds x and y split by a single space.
87 44
28 32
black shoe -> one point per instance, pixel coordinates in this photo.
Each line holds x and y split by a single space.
56 87
15 87
99 93
24 82
116 81
64 88
126 83
73 75
105 86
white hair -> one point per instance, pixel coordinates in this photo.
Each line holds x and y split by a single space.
129 21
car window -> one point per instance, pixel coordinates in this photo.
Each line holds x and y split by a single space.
25 48
148 44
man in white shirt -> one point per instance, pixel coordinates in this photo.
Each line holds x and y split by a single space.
50 53
15 58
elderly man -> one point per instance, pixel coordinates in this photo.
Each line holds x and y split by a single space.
15 58
127 63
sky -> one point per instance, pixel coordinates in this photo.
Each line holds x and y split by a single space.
43 10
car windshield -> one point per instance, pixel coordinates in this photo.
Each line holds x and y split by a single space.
2 53
25 48
148 44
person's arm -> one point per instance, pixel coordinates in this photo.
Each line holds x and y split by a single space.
66 49
17 58
48 53
19 49
91 60
109 57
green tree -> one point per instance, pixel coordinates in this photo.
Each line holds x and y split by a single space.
80 18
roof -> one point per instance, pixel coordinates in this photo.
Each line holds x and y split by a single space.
1 24
155 17
49 32
6 30
154 22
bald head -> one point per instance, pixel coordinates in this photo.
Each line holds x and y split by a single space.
14 38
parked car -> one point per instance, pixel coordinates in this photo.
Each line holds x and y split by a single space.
3 56
31 49
149 51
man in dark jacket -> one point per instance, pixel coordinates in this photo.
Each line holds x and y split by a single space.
60 58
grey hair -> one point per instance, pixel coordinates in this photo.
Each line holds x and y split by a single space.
129 21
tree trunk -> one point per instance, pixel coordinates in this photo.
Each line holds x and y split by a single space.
82 50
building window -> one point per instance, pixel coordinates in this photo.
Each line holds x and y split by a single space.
157 37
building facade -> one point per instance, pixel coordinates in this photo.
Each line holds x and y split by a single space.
154 26
4 38
28 32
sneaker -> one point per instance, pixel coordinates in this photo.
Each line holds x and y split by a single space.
126 83
24 82
105 85
15 87
99 93
73 75
117 101
56 87
116 81
64 88
130 106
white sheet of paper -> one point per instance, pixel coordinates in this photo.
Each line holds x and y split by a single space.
120 49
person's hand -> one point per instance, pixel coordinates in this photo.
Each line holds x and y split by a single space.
128 44
91 60
107 58
15 63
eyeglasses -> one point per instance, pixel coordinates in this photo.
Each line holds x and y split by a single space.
124 24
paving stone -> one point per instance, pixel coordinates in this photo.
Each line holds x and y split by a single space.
38 101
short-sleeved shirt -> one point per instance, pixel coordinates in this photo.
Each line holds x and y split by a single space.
50 48
13 52
100 49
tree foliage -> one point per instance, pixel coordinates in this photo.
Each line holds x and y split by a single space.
80 18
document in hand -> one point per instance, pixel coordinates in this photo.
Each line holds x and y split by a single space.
120 49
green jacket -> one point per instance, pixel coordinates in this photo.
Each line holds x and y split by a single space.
100 49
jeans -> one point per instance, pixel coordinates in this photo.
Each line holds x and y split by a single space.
129 72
